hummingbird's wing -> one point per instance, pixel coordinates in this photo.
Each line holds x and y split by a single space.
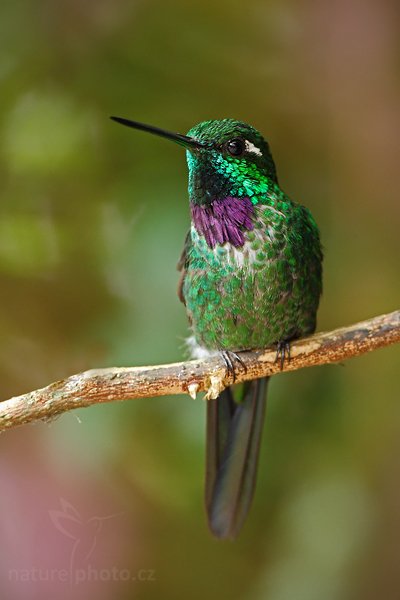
182 264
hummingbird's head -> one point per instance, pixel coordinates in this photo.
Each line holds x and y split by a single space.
232 159
225 158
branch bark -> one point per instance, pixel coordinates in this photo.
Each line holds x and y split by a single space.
207 375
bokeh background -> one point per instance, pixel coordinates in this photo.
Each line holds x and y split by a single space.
92 221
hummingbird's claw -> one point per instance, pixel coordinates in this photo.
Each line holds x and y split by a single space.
229 358
282 352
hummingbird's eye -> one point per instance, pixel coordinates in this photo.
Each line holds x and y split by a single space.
236 147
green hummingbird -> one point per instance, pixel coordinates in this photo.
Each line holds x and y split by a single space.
251 278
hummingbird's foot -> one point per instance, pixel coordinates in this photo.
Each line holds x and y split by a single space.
229 359
282 352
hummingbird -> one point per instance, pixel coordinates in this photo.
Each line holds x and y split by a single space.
251 278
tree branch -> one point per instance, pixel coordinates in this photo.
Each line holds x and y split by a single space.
209 375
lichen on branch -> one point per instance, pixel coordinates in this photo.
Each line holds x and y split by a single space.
208 375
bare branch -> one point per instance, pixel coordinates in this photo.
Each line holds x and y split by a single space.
209 375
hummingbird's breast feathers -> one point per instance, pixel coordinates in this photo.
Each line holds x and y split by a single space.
237 233
227 256
223 220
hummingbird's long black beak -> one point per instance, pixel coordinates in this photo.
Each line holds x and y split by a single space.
183 140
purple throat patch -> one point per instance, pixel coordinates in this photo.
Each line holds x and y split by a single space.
224 220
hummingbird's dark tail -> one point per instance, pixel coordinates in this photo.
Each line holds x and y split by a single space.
233 442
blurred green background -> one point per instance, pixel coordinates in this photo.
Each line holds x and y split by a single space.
92 222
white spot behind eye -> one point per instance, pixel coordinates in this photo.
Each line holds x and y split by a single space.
252 148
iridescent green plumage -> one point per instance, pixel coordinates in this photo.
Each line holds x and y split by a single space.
262 291
251 278
268 290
